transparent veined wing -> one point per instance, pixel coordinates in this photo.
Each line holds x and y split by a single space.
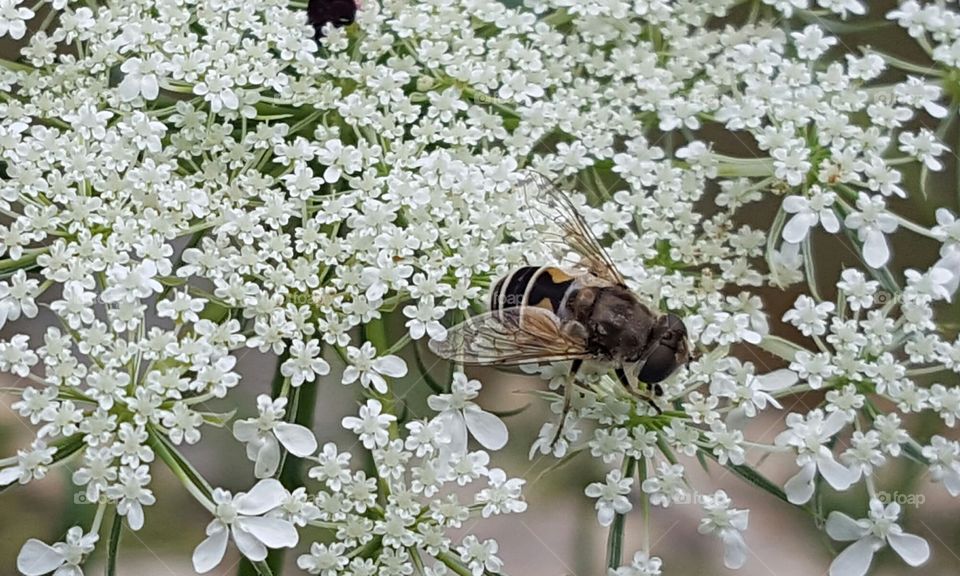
546 198
511 336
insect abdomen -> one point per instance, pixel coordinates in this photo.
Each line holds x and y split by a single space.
543 286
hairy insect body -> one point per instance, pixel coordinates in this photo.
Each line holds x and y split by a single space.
615 325
544 314
619 327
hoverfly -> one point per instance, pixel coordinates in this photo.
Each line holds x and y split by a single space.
337 12
550 314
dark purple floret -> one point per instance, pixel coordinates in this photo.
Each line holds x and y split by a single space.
337 12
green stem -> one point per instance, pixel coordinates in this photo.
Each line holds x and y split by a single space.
196 484
615 535
113 545
300 411
453 564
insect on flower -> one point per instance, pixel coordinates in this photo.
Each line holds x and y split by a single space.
549 314
339 13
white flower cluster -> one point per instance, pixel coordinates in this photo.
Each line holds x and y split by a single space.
407 513
187 180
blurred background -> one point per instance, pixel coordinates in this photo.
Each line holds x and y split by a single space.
559 534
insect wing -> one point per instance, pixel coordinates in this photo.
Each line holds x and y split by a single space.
555 206
510 336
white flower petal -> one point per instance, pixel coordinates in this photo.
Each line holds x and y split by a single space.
68 570
453 424
798 227
9 475
264 496
392 366
245 430
299 440
488 429
268 458
350 375
913 549
836 474
829 221
793 204
734 549
150 87
248 544
135 515
800 488
935 110
834 423
952 483
274 532
843 528
855 560
36 558
778 380
331 174
372 379
605 514
129 89
210 552
875 250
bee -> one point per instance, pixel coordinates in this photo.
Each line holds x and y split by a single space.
548 314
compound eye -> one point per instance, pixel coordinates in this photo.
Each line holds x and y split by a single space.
675 325
660 364
674 331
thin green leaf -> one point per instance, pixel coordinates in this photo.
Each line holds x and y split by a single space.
780 347
836 27
809 268
179 465
907 66
776 229
171 281
16 66
615 535
557 465
666 450
8 267
754 477
615 542
113 544
914 451
924 174
262 568
454 564
218 419
703 461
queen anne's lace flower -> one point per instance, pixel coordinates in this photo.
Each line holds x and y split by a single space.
809 437
611 496
264 435
62 559
727 524
244 517
330 185
370 369
870 535
458 416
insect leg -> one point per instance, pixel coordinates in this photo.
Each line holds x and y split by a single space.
567 399
625 381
